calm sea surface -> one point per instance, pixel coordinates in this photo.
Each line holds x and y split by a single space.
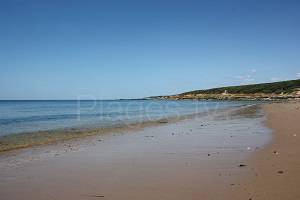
31 116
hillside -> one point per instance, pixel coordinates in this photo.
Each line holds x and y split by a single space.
264 91
266 88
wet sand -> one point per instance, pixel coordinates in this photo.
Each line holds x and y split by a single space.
273 172
198 158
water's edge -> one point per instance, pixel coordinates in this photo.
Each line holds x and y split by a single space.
23 140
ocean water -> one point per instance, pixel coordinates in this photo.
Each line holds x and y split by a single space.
32 116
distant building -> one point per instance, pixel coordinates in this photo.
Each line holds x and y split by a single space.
225 92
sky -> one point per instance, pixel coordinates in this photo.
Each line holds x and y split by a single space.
110 49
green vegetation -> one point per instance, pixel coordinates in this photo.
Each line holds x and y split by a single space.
267 88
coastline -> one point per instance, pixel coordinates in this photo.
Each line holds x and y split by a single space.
229 97
153 163
39 138
143 164
273 172
197 158
77 140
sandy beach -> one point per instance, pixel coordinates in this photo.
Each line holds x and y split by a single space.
226 156
149 100
273 172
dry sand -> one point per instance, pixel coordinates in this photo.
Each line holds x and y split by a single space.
274 171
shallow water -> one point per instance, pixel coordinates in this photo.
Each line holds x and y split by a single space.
32 116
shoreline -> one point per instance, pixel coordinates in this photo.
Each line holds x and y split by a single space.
170 161
197 158
87 138
273 171
229 97
39 138
65 134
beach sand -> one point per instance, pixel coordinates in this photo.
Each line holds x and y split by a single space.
273 172
192 159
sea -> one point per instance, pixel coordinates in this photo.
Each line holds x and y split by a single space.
18 116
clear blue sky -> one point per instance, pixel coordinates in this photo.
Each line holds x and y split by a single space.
59 49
